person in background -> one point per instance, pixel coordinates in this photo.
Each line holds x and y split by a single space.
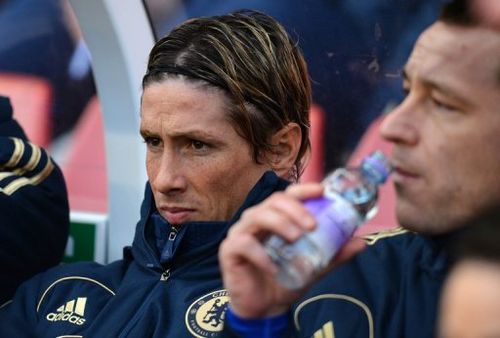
470 303
224 118
445 136
34 209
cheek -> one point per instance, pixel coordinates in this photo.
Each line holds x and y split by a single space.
230 182
445 166
222 176
211 176
474 169
152 167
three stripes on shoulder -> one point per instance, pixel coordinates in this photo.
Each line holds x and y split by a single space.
22 163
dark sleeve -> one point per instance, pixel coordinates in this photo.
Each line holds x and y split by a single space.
34 207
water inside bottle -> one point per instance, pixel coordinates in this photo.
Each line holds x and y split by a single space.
296 262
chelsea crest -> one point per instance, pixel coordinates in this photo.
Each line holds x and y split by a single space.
205 316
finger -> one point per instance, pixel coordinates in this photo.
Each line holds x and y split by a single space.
293 209
265 220
244 249
305 191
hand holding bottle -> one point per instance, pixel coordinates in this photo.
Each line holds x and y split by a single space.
248 272
349 198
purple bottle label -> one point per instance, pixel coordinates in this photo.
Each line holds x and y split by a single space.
337 220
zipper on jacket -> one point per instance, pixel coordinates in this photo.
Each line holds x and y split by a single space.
172 234
168 249
168 252
165 275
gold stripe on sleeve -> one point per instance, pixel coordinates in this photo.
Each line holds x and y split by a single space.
36 153
22 181
16 154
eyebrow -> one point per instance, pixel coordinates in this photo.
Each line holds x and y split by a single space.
145 133
443 88
194 134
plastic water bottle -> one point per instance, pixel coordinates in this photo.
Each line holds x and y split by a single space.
349 199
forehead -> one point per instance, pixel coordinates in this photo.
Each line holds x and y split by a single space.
449 52
182 105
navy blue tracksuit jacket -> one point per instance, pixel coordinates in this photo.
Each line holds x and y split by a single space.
390 290
137 296
34 211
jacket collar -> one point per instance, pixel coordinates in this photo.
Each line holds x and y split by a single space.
194 237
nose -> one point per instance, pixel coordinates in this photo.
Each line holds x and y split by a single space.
400 125
168 174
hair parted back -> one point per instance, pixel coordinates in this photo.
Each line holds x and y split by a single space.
252 58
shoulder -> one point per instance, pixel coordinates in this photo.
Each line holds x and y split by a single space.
395 235
105 276
395 243
375 271
351 298
397 246
69 282
68 294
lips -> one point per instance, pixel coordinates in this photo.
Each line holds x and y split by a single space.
400 174
176 215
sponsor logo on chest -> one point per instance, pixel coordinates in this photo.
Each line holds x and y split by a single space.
72 311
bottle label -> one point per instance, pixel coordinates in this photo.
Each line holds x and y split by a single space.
336 219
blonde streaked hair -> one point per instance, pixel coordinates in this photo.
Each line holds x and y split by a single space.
250 56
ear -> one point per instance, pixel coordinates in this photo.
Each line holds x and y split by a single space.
286 144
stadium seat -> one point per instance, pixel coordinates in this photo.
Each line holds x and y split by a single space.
31 99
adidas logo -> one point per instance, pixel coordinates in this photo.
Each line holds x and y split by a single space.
70 312
325 332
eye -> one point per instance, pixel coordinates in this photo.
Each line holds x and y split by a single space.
152 142
442 105
198 145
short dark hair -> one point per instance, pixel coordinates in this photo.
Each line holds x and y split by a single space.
250 56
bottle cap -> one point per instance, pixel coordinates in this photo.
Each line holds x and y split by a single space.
377 166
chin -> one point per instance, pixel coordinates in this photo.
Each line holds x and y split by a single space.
426 226
415 222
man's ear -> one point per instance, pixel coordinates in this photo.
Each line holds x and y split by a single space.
286 145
